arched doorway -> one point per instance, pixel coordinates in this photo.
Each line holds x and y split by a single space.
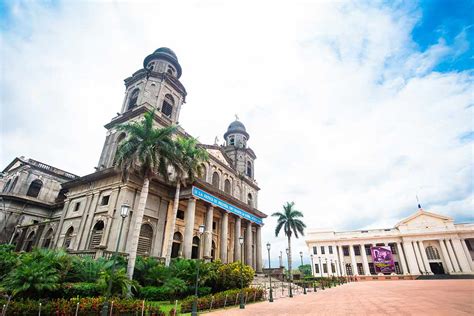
177 240
96 236
434 260
145 240
195 249
47 239
68 237
29 241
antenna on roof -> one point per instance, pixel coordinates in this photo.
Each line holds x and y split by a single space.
418 201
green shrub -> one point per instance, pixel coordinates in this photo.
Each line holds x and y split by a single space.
81 289
155 293
8 259
228 276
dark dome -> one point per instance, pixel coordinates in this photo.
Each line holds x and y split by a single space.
166 54
236 127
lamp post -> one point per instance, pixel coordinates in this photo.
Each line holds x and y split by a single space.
313 273
289 271
327 271
304 283
321 270
241 242
332 273
270 273
194 310
124 210
281 259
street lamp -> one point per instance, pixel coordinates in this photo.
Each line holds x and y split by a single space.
332 273
270 273
327 271
241 242
321 271
313 273
281 259
194 310
304 284
124 210
289 271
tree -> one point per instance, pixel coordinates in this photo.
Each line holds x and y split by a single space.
145 150
289 220
305 269
187 160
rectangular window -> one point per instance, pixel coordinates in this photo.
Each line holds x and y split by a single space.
180 214
393 248
468 244
325 268
330 250
360 269
348 269
345 250
316 268
214 225
357 250
105 200
322 250
333 268
372 268
397 268
367 250
315 250
76 207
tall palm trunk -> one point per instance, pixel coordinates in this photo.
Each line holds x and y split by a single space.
173 223
136 227
289 257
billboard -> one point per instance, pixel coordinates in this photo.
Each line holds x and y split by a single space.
383 259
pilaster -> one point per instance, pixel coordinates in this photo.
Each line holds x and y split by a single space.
189 228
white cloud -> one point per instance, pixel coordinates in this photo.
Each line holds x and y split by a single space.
345 114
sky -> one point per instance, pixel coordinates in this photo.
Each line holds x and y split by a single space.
353 108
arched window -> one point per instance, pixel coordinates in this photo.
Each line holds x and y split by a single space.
29 241
13 184
47 238
227 186
176 248
170 70
6 187
34 188
145 240
231 141
61 195
151 66
203 172
195 249
168 104
96 236
213 251
432 253
249 169
249 199
68 237
215 179
132 101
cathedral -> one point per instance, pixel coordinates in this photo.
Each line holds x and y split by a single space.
43 206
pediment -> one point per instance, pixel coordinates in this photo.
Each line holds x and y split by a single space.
424 219
217 154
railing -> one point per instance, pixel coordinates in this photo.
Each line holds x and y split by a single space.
95 254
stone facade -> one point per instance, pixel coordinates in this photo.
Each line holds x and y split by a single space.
422 244
87 220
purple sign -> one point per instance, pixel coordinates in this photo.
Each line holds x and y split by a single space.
383 259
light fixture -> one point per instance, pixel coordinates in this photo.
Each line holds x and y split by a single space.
287 251
201 228
268 246
241 240
124 209
301 253
311 255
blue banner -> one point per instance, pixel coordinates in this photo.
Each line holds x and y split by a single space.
203 195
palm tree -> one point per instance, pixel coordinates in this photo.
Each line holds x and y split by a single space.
145 150
290 221
187 162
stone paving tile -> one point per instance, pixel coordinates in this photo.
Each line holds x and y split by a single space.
407 297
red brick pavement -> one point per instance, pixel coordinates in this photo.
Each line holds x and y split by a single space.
423 297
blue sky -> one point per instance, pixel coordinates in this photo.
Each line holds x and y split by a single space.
353 108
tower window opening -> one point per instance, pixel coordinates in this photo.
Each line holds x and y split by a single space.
132 102
151 66
35 188
249 169
232 141
249 199
170 70
168 104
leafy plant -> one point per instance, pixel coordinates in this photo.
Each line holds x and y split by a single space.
120 282
8 259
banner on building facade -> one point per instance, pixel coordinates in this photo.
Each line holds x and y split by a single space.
383 259
203 195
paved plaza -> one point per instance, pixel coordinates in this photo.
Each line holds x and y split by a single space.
414 297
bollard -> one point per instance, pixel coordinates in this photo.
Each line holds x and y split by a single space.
236 298
246 297
39 311
3 309
175 307
111 307
77 309
212 301
255 296
143 307
225 301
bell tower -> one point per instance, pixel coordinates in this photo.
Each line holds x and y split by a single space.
154 87
236 149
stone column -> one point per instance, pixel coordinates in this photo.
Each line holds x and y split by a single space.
224 233
411 259
454 261
461 255
189 228
237 232
341 260
60 226
353 260
425 257
468 254
447 260
258 246
208 233
364 259
401 258
418 257
248 244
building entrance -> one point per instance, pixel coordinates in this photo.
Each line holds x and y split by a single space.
437 267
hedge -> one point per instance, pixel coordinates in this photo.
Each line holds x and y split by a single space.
219 299
87 306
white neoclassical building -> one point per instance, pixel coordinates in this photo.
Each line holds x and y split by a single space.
424 243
